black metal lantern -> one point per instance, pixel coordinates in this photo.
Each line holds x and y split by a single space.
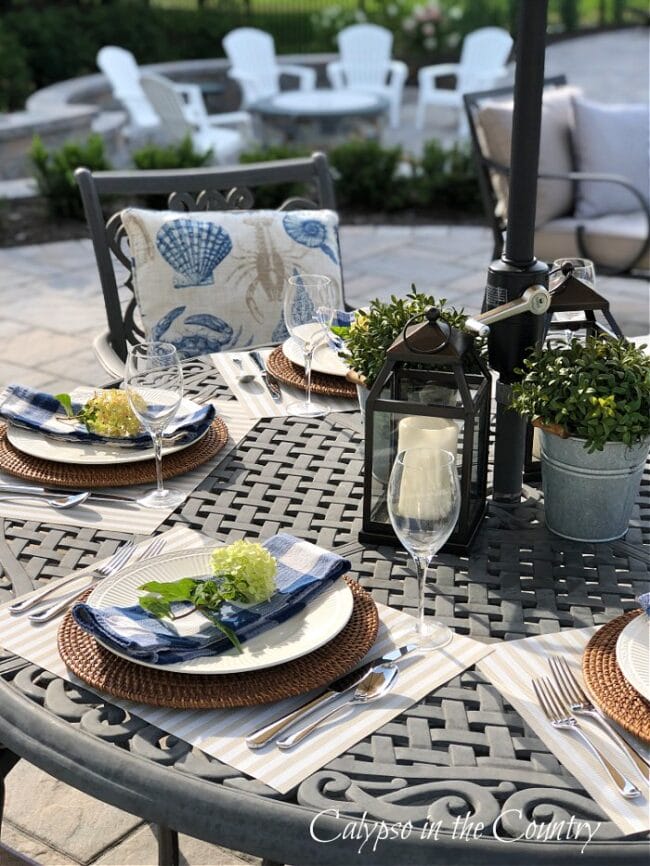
433 390
572 296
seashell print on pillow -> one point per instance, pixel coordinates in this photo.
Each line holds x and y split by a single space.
309 232
193 248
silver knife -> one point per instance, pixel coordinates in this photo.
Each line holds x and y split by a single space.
33 490
339 687
271 385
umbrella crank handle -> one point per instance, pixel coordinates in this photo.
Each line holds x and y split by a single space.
536 300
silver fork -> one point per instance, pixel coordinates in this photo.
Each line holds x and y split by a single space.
121 556
580 705
559 717
54 610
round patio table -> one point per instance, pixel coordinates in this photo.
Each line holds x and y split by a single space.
460 750
312 116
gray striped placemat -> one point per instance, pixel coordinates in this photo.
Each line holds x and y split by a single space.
221 733
512 667
256 398
131 517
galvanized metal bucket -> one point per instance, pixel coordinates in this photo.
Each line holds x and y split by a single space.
589 497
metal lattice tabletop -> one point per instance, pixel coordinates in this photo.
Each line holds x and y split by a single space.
460 750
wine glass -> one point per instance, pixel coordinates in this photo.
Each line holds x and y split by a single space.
309 305
423 500
154 386
581 269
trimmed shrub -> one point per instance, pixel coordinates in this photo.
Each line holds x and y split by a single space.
273 195
181 155
15 79
366 176
54 172
449 178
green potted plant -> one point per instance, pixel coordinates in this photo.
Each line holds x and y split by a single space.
376 328
591 400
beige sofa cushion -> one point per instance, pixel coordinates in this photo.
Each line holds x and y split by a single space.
555 198
610 139
611 241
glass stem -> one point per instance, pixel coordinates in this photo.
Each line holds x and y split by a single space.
421 572
157 451
309 353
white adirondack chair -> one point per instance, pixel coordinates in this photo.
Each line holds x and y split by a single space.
482 63
121 69
255 67
366 64
178 119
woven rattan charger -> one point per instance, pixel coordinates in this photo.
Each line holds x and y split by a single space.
101 669
288 373
75 476
615 696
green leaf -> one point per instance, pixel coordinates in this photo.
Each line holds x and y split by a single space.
155 605
176 590
66 401
229 633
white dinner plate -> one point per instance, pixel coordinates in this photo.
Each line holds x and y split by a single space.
67 451
633 654
320 621
325 359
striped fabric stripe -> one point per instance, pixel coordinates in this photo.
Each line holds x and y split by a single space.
512 667
257 399
221 733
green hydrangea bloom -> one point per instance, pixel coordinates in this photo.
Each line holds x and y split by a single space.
246 572
109 413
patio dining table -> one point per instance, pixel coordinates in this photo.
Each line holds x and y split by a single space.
462 748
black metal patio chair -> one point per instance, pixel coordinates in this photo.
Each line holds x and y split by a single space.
301 183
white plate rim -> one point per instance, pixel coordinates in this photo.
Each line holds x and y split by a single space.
34 444
325 359
633 634
337 599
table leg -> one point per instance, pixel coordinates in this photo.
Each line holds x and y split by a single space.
167 845
7 761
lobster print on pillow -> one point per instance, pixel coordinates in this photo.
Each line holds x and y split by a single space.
210 281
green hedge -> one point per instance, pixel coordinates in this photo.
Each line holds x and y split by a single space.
43 42
369 178
62 42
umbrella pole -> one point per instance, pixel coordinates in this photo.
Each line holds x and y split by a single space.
518 269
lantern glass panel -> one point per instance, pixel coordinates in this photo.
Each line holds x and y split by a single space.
397 431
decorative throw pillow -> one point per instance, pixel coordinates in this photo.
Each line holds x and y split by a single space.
611 139
212 280
554 197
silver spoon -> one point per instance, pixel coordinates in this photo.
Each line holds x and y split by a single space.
376 683
242 376
60 502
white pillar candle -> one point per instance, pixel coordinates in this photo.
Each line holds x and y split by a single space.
425 491
418 431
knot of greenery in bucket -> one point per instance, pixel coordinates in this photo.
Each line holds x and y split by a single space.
597 390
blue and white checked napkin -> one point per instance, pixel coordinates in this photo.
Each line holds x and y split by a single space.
644 602
37 410
304 570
